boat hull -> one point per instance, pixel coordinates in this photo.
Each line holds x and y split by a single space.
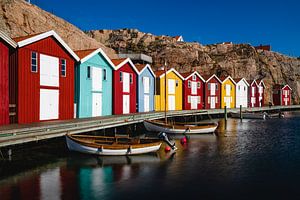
249 115
169 130
75 146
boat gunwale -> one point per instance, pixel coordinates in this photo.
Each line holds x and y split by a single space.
114 145
181 127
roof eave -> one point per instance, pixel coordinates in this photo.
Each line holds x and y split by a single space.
45 35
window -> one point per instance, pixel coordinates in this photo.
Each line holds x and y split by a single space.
194 77
198 85
121 76
199 99
216 86
208 86
189 84
216 99
176 83
244 88
131 79
34 62
88 75
189 99
63 64
239 87
208 99
104 75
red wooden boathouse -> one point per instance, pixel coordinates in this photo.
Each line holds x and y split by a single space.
260 93
193 90
124 86
7 45
42 79
253 90
282 95
212 92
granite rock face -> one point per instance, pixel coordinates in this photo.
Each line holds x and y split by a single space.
237 60
19 18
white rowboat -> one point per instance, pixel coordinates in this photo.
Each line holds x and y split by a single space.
112 146
159 126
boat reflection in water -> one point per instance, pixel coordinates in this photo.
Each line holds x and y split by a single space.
230 163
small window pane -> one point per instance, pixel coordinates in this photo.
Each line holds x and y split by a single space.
88 72
131 79
104 74
189 84
198 85
34 62
176 83
63 68
121 76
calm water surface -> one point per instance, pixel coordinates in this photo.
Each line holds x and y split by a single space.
245 160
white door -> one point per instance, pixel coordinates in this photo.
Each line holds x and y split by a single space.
171 102
212 89
146 82
194 102
228 88
146 103
126 82
96 79
194 88
49 104
260 101
126 104
253 101
212 102
171 86
97 105
227 101
49 70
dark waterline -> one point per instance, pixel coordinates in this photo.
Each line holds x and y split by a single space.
252 159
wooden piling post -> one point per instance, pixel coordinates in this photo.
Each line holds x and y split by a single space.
241 114
225 113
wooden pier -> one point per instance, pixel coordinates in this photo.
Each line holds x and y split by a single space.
18 134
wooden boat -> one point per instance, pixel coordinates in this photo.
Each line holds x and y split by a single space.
249 115
276 115
159 126
102 145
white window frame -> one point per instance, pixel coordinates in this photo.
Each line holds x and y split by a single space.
61 67
36 59
194 77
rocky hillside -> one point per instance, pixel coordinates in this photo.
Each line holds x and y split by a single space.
19 18
237 60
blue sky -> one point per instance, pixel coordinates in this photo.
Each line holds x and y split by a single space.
212 21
